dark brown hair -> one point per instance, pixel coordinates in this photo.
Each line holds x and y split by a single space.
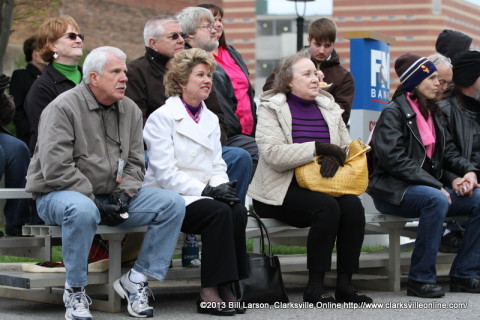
322 29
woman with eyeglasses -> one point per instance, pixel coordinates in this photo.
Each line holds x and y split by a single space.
60 44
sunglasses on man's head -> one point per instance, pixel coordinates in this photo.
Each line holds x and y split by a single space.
175 36
73 35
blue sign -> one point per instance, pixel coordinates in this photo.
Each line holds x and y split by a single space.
370 67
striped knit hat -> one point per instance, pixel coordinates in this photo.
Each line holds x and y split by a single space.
413 69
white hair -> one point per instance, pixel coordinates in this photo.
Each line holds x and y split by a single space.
154 27
97 59
439 59
191 17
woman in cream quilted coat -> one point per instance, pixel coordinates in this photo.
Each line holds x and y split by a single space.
297 121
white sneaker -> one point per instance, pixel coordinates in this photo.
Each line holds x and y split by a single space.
136 295
77 304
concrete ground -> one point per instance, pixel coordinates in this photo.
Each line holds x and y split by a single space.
178 302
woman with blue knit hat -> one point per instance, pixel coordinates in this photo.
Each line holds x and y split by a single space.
410 148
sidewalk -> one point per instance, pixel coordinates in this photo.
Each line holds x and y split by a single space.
178 303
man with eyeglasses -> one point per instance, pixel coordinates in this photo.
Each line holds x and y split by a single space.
461 108
445 74
198 24
163 36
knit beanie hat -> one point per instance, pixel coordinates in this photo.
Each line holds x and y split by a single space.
466 68
451 42
412 69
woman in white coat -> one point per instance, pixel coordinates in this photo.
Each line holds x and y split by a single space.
296 121
185 155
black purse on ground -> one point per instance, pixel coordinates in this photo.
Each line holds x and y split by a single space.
265 282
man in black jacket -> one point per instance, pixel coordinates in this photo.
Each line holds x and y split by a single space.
461 108
198 25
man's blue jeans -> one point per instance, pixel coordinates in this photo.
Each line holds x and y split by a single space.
161 210
239 167
431 206
14 160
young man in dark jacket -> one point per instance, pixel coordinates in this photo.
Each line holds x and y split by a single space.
322 34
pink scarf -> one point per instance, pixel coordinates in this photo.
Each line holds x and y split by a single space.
425 127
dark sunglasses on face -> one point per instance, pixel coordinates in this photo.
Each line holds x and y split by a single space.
73 36
175 36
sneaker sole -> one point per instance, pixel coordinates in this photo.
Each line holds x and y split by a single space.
78 318
117 286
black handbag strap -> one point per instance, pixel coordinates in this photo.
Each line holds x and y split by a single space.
263 230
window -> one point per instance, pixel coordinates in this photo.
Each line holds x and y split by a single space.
265 67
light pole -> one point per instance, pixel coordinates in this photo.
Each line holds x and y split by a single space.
300 22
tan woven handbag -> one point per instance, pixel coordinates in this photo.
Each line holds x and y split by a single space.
352 178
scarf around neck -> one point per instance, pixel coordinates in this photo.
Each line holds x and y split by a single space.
426 127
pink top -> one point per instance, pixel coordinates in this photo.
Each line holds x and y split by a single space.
240 85
425 127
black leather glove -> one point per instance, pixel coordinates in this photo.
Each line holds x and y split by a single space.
109 213
122 199
224 192
328 166
329 149
4 83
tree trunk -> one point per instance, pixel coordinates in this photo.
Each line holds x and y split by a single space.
6 16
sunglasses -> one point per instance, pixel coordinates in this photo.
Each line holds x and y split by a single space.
175 35
73 35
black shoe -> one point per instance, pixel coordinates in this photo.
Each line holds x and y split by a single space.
13 231
240 309
451 242
424 290
318 295
214 308
353 296
464 285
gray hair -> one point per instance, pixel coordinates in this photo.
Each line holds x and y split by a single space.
439 59
284 76
190 17
97 59
154 27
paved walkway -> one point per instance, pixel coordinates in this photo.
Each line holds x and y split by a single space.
178 303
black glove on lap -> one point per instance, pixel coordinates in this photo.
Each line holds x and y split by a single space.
122 199
109 213
329 149
224 192
329 166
